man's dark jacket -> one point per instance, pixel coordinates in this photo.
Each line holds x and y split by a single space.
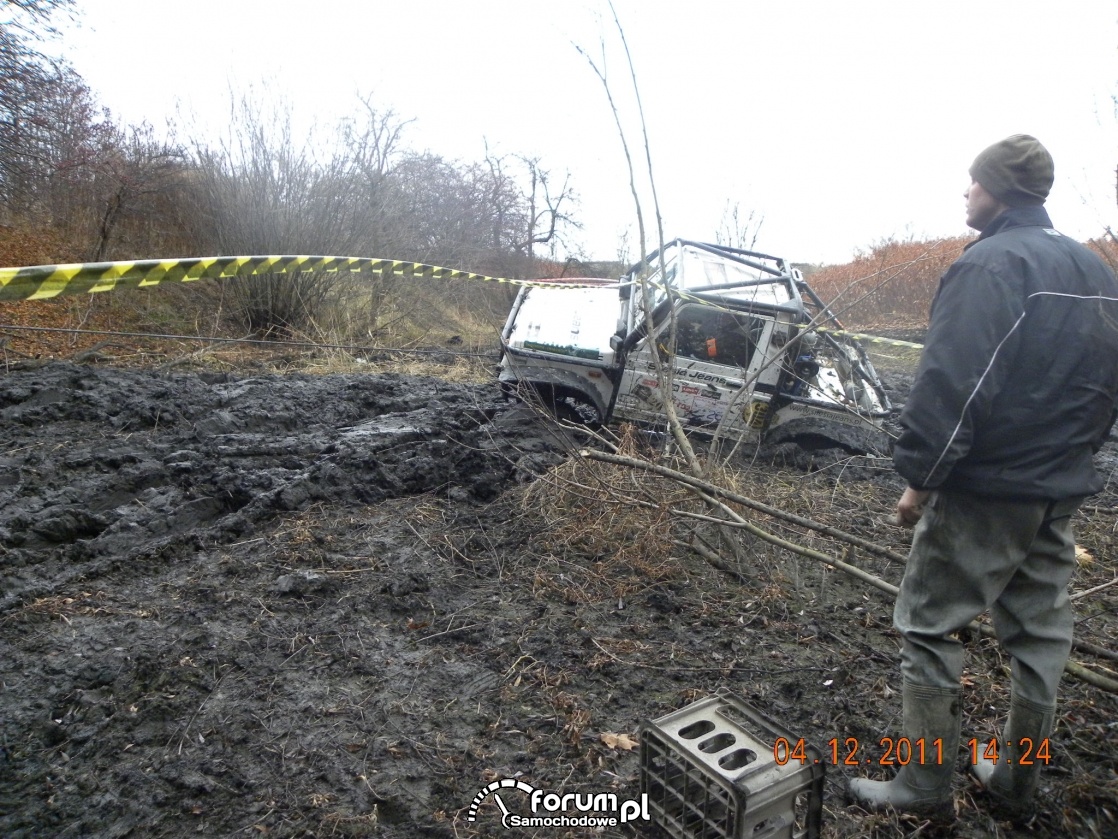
1016 388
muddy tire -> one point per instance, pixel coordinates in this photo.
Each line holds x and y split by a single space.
576 412
565 411
815 435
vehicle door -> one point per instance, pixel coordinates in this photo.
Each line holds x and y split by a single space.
715 356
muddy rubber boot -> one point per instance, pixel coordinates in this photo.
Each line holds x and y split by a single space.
930 714
1010 783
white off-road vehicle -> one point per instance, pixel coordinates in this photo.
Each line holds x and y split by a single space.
744 345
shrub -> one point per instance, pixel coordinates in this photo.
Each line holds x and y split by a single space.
890 285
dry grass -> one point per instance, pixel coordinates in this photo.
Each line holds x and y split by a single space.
85 604
474 365
614 532
361 316
890 286
610 529
599 517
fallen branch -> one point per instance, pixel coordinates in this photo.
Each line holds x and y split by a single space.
745 501
732 667
93 353
1095 650
198 353
1097 588
701 488
710 555
1090 677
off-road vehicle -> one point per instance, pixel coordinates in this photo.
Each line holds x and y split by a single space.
744 345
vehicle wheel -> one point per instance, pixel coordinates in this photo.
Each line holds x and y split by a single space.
818 434
568 409
565 411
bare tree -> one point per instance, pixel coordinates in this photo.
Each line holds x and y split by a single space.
737 232
546 217
135 182
262 190
478 216
31 88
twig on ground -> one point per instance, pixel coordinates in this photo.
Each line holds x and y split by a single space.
1097 588
745 501
1072 667
702 549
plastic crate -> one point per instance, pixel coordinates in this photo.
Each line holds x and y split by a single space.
710 772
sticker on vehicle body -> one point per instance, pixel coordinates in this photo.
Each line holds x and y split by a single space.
755 414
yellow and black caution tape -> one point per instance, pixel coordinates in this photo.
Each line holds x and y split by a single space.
39 282
872 339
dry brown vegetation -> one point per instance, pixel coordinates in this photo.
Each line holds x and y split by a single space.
889 286
77 185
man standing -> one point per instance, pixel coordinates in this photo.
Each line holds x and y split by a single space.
1014 393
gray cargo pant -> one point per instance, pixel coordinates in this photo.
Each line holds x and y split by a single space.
970 554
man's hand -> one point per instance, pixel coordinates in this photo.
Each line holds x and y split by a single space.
911 506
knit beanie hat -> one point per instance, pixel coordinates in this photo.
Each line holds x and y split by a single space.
1018 171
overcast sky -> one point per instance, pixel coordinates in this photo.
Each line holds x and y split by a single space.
840 124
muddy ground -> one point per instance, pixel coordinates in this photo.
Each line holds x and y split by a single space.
343 605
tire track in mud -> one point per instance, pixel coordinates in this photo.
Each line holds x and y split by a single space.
103 467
